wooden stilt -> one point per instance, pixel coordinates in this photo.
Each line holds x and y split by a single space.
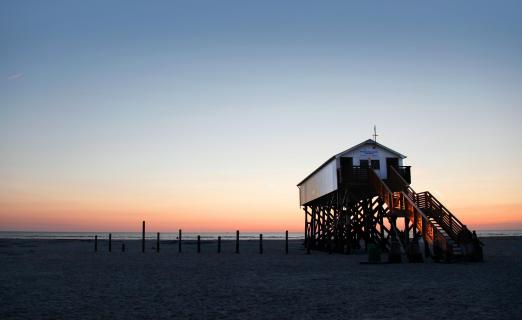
306 226
311 239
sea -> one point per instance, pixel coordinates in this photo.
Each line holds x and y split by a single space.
193 235
148 235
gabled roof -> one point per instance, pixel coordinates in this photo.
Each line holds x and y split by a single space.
369 141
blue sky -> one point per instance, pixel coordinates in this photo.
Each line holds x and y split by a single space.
105 95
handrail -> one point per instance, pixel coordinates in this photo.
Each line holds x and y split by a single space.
444 208
451 222
442 215
411 207
382 189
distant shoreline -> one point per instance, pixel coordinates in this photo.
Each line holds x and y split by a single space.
205 236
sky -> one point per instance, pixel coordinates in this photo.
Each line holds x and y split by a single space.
204 115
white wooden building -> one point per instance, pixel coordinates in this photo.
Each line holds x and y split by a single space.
329 176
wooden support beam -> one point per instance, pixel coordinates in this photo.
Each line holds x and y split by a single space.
336 225
311 239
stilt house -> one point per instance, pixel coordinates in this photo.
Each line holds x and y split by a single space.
363 195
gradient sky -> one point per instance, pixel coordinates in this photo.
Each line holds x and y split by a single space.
203 115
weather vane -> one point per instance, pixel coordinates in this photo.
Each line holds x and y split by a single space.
375 133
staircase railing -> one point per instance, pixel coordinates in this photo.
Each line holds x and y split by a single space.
441 214
399 183
431 235
406 200
425 200
381 188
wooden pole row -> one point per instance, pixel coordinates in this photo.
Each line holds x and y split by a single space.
198 242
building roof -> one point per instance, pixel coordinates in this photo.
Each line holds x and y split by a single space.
369 141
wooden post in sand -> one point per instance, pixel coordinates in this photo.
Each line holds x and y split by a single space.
110 242
95 243
286 242
157 242
143 236
260 243
179 241
237 241
123 247
219 244
199 244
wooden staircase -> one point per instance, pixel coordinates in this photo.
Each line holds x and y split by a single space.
445 235
456 249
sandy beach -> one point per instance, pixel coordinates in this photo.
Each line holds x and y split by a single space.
66 279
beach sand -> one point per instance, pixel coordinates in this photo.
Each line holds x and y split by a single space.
65 279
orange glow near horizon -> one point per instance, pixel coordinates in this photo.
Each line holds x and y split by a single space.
218 205
491 217
160 215
222 215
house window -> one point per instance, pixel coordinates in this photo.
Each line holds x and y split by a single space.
363 163
376 164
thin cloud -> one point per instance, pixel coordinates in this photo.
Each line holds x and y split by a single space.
15 76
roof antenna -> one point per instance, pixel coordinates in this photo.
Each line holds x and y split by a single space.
375 134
